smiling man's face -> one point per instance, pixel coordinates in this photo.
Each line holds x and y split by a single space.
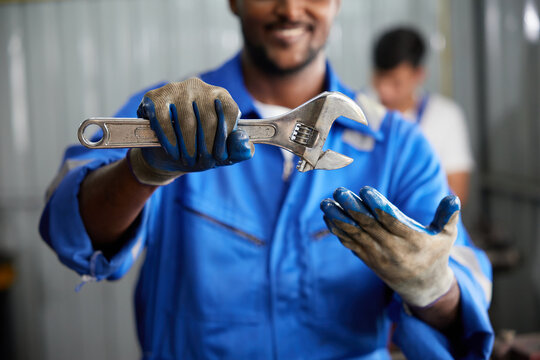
283 36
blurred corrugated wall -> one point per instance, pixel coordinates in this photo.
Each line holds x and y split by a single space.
64 61
509 175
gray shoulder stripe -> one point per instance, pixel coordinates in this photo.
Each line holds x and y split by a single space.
375 113
358 140
373 110
466 257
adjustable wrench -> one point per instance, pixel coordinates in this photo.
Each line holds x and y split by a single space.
301 131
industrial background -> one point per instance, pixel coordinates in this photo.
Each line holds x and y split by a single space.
64 61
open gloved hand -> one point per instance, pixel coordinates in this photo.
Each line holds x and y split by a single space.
196 126
410 258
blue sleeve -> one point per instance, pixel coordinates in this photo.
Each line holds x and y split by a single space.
62 228
420 187
61 225
419 340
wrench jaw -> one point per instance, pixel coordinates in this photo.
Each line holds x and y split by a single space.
329 160
329 106
337 105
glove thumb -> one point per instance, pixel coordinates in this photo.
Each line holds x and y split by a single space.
447 207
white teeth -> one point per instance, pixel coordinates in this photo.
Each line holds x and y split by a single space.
291 32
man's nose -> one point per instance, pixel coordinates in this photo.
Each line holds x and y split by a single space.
386 92
290 9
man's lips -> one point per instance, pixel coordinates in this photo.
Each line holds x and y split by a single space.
288 33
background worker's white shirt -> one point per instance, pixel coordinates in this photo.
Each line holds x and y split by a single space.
443 123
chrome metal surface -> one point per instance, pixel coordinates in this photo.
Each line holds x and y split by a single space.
118 133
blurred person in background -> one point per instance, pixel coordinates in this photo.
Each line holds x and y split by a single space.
398 76
240 261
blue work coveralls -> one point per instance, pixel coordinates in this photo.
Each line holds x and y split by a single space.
240 264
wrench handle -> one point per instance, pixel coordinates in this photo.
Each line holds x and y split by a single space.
133 132
117 133
259 131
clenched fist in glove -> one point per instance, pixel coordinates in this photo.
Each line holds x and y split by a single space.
196 126
410 258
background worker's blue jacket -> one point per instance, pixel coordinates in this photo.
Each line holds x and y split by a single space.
239 262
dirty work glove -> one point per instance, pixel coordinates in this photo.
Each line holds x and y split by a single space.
196 126
410 258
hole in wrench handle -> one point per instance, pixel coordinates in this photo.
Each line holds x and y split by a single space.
90 134
119 133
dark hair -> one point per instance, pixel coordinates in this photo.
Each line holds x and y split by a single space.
397 46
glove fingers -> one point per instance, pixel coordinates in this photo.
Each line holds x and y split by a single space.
356 247
333 211
192 121
203 156
387 214
187 127
341 225
207 120
336 230
358 241
239 147
220 141
187 160
209 115
161 124
444 214
231 113
353 206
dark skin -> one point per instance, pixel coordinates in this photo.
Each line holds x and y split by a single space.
111 198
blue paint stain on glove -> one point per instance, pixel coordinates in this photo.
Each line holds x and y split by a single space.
370 200
173 155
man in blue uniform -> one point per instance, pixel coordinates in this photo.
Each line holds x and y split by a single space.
240 263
